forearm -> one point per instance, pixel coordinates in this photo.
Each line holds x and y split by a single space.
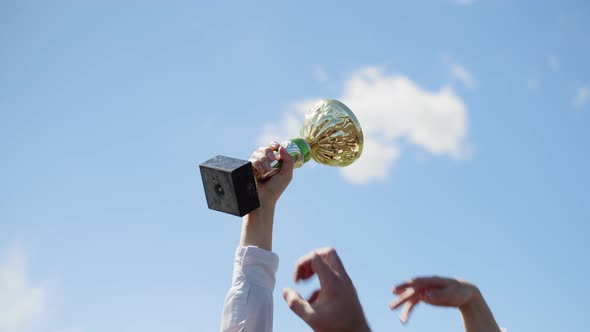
257 228
477 316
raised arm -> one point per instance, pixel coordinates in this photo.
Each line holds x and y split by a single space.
248 305
257 225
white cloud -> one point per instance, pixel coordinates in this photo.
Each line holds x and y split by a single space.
390 109
463 75
320 75
582 96
22 304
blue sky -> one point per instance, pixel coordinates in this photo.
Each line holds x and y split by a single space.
476 166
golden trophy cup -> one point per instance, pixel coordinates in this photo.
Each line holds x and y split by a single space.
330 135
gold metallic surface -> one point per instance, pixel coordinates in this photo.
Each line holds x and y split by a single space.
334 133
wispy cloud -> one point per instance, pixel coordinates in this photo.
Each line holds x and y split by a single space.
582 97
320 75
553 63
390 109
463 75
532 84
463 2
22 303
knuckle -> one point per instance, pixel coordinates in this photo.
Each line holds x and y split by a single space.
291 303
327 251
315 256
300 262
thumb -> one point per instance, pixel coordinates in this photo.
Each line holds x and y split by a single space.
288 159
297 304
286 171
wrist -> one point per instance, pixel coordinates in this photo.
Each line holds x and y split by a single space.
257 228
361 325
475 304
263 214
477 316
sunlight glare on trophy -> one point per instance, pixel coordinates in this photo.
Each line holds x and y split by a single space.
334 133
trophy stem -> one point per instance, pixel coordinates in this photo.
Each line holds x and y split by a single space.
298 148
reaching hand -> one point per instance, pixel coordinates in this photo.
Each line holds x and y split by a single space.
446 292
432 290
333 307
270 190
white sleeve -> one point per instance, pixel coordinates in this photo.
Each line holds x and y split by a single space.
248 305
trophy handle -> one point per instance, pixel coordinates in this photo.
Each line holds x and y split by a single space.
298 148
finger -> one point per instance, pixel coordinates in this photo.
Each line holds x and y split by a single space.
409 294
314 296
257 159
297 304
325 274
288 162
257 166
397 290
423 282
275 145
267 157
305 266
269 153
405 296
331 256
303 269
405 314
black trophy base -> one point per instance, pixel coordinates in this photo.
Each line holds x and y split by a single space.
230 185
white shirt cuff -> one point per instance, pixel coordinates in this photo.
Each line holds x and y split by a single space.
256 265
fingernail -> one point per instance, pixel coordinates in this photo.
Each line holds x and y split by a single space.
403 319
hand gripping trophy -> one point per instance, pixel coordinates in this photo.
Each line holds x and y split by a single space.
331 135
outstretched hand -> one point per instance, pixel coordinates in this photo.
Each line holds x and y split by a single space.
446 292
333 307
437 291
